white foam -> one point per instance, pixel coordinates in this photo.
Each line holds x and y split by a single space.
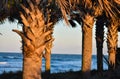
3 62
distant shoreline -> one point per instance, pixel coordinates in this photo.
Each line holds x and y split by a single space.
52 53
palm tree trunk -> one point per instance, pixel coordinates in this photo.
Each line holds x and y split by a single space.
87 26
34 41
48 56
47 60
32 67
99 42
112 39
48 48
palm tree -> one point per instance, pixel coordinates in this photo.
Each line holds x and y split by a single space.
112 39
33 38
87 25
33 35
37 31
94 10
99 40
88 12
112 11
52 16
87 44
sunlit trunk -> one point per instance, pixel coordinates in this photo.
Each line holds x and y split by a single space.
48 56
32 67
48 49
47 60
87 26
33 40
112 39
99 42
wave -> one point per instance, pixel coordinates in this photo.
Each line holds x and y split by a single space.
59 63
3 63
12 57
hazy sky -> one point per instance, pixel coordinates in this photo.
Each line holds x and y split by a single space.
67 39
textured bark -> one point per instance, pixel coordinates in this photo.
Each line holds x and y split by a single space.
34 41
112 39
87 26
51 19
48 55
32 67
99 42
47 60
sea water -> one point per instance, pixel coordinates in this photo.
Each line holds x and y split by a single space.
59 62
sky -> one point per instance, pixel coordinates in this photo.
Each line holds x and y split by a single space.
68 40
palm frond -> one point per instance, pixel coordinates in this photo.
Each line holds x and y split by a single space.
110 8
8 9
117 1
74 3
65 8
87 3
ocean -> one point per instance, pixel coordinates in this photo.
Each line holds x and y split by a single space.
59 62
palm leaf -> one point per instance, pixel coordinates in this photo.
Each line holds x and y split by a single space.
65 8
73 3
8 9
110 8
117 1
